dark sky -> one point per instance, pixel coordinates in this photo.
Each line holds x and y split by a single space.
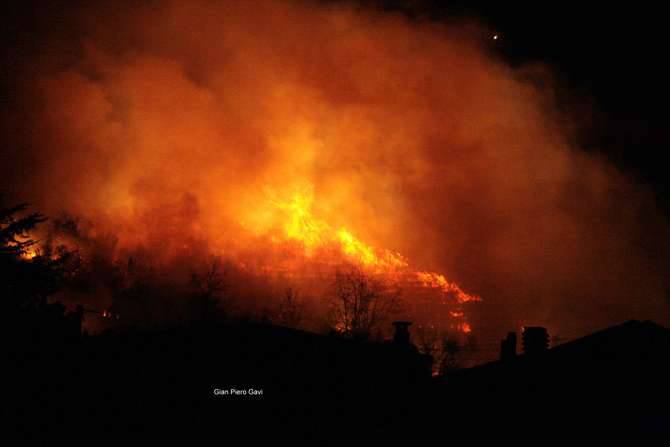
609 58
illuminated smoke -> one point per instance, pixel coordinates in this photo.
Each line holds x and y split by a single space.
254 130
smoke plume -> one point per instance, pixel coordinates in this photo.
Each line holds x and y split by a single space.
176 128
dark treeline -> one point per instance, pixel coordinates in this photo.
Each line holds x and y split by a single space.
205 366
173 370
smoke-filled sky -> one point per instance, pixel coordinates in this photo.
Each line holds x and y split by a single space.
159 119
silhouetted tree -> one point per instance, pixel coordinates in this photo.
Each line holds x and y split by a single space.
15 240
29 275
209 290
428 339
291 309
447 348
449 357
361 303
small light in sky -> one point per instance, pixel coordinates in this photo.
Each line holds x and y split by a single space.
495 37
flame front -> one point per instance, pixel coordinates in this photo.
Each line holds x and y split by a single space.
302 226
313 234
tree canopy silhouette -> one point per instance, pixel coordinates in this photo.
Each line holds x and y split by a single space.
361 303
15 238
28 274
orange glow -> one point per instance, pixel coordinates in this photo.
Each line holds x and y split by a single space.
438 281
288 138
313 233
301 225
29 254
273 152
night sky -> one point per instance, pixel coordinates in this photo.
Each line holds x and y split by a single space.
608 61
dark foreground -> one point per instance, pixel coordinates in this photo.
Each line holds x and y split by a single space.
261 380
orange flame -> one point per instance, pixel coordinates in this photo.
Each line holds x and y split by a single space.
29 254
301 226
313 233
465 328
438 281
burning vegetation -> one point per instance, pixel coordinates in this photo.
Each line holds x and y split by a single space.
319 165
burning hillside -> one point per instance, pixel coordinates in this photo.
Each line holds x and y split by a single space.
291 139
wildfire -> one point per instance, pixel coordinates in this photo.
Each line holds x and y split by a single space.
313 233
465 328
249 151
29 254
294 220
302 226
437 281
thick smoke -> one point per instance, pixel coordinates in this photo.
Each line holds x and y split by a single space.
176 125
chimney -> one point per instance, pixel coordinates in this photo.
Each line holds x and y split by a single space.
508 347
535 340
401 336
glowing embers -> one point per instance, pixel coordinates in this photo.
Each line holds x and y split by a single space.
29 254
464 327
110 315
